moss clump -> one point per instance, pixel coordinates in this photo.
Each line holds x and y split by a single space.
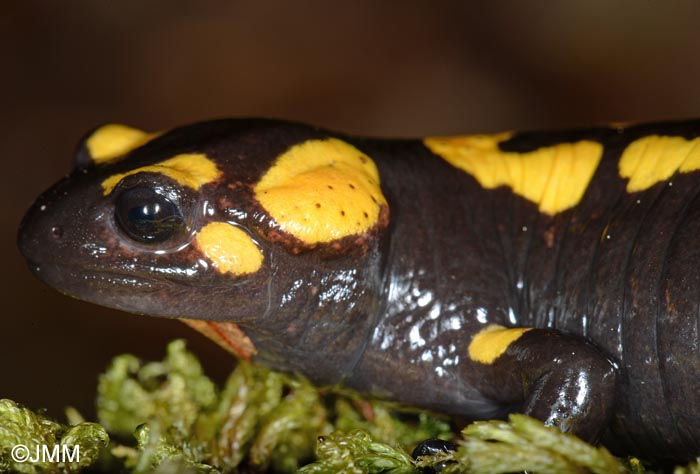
692 468
174 390
262 419
357 453
524 444
23 432
168 417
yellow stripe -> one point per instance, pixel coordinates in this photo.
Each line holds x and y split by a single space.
492 341
655 158
555 177
190 169
114 140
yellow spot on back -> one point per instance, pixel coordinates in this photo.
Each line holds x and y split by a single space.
114 140
190 169
553 177
492 341
229 248
322 190
653 159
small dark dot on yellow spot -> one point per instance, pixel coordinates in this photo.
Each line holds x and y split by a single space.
330 187
342 213
363 159
365 214
318 206
351 186
374 200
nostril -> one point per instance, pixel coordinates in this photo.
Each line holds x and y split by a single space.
57 232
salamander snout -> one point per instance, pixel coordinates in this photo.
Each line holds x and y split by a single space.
38 234
55 227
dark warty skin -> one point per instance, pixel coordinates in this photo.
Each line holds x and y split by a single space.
606 289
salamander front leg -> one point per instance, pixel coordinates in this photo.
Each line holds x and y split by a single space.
562 380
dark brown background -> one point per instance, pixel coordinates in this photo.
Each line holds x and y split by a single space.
406 68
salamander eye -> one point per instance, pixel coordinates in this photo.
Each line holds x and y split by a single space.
147 216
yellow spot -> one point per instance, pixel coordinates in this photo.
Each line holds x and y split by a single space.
653 159
553 177
229 248
492 341
191 169
322 190
114 140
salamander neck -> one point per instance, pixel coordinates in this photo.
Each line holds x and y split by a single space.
324 313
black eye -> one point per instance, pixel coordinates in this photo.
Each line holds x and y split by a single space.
147 216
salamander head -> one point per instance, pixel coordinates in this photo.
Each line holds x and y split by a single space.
224 221
132 228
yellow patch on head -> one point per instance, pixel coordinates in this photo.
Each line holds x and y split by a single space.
114 140
322 190
229 248
492 341
554 177
653 159
189 169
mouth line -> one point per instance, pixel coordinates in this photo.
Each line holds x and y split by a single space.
94 277
114 279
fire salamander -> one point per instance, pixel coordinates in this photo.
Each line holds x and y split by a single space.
555 274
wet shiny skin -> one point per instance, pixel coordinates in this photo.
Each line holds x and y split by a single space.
607 284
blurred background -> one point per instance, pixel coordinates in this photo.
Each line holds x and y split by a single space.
393 68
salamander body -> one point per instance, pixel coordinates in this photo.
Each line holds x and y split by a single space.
555 274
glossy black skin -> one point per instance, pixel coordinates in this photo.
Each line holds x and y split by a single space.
618 344
431 447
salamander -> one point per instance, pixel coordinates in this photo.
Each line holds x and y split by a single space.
555 274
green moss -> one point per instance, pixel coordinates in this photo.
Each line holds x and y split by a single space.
168 417
175 391
491 447
357 453
26 432
261 419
